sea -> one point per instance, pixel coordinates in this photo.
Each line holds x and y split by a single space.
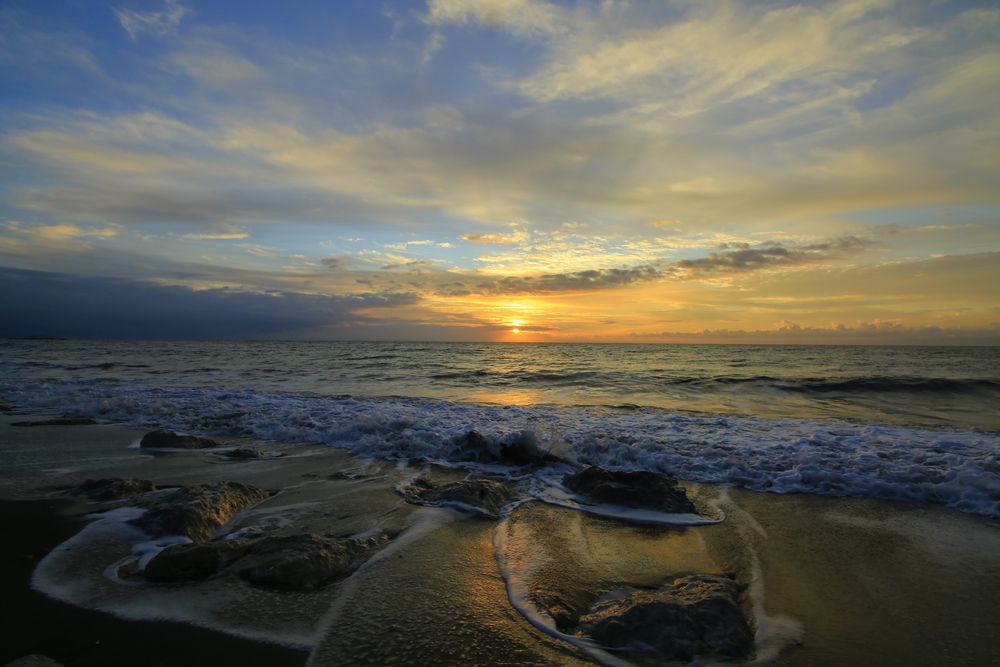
901 423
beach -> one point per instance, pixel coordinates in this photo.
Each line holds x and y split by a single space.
823 580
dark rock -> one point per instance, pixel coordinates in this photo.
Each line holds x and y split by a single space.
300 562
197 511
485 494
60 421
170 440
194 561
5 406
520 450
113 488
34 660
693 615
640 489
246 453
303 561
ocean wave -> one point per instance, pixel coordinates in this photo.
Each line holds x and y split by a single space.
955 468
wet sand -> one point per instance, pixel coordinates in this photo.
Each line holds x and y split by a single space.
34 623
830 581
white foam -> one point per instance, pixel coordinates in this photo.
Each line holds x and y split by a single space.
556 495
956 468
516 580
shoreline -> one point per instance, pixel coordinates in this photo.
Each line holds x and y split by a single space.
831 580
34 623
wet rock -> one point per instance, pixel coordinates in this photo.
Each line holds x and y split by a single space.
194 561
521 449
640 489
170 440
305 561
197 511
487 495
246 453
60 421
694 615
113 488
34 660
301 562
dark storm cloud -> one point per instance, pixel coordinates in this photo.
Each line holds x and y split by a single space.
42 303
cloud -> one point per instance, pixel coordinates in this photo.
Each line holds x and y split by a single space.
497 238
525 18
863 332
593 279
718 52
45 303
65 232
218 233
743 257
411 264
157 24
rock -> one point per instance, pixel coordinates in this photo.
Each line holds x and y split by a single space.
34 660
169 440
487 495
693 615
197 511
303 561
640 489
5 406
246 453
60 421
521 449
194 561
113 488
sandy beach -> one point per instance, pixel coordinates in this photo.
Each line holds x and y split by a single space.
824 581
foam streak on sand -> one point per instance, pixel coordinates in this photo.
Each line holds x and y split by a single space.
516 566
956 468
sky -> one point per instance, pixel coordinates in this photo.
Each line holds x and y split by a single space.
501 170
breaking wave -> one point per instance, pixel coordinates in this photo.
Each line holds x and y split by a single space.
955 468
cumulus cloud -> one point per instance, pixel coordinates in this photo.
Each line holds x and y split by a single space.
45 303
158 24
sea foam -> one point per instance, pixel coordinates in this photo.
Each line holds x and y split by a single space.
955 468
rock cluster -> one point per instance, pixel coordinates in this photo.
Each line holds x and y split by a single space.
246 453
487 495
59 421
639 489
161 439
302 562
520 449
197 511
113 488
693 615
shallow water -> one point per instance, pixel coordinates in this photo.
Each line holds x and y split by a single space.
913 386
905 423
829 581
